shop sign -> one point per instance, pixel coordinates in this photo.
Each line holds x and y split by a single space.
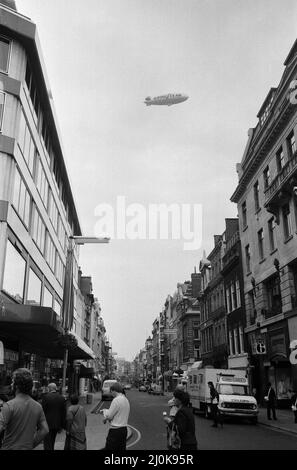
259 347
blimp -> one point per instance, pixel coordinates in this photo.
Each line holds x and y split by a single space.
166 100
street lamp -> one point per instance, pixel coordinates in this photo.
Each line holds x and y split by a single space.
67 307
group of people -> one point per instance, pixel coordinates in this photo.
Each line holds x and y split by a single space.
25 423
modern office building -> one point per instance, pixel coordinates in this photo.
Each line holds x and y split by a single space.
267 209
37 208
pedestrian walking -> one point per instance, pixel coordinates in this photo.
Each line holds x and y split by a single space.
76 421
294 406
214 398
117 415
270 399
22 418
54 407
182 425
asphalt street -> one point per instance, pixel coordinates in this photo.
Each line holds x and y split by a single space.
149 430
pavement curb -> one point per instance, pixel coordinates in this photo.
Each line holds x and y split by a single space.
130 433
278 428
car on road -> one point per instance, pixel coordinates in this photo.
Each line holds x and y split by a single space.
142 388
127 386
106 393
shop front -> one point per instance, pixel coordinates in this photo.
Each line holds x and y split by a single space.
31 338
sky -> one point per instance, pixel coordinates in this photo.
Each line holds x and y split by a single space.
103 57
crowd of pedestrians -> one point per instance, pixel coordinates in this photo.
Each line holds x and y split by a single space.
25 423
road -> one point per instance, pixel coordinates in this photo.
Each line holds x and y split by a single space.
149 430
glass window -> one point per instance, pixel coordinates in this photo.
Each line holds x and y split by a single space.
2 99
53 212
273 295
271 230
41 182
4 54
238 293
244 218
26 143
38 229
256 195
50 252
266 176
21 199
47 298
59 269
248 258
14 273
58 307
233 296
287 221
34 289
280 159
291 144
261 244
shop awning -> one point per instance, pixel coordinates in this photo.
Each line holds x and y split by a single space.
86 372
83 351
38 330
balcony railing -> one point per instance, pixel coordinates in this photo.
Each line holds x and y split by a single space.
287 171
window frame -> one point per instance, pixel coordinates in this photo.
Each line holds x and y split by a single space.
5 38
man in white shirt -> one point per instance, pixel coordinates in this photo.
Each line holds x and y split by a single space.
118 415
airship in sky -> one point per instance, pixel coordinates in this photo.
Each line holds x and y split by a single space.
167 100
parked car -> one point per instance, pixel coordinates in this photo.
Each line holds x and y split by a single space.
127 386
142 388
106 394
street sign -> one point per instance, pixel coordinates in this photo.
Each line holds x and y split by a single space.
260 347
171 331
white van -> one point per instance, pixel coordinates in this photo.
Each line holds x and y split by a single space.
106 394
235 399
232 386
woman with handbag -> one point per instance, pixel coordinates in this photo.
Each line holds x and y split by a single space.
76 421
182 426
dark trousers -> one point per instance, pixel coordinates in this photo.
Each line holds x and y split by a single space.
49 440
271 407
116 439
295 414
216 415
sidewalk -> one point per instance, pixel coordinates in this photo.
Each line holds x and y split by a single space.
96 430
284 422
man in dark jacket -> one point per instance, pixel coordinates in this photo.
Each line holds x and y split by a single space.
271 401
54 407
214 397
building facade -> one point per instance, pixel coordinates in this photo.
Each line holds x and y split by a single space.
267 208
